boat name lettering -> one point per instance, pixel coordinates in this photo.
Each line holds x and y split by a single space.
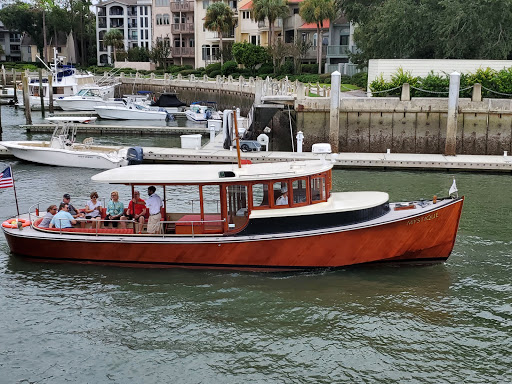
428 217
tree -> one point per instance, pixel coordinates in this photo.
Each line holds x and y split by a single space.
159 53
249 55
279 51
115 39
318 11
270 10
299 50
219 18
138 54
430 29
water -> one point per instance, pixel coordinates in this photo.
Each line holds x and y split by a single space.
449 323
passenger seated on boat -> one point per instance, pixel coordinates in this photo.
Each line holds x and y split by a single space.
50 212
92 210
63 218
115 210
77 214
66 199
136 211
283 199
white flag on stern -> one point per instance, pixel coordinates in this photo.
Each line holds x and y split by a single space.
453 189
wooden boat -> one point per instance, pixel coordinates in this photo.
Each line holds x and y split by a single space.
235 222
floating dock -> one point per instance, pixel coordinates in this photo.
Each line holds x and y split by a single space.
124 129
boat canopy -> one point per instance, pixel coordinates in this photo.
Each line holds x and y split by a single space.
210 173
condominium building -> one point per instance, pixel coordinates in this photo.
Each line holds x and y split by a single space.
133 18
207 48
183 32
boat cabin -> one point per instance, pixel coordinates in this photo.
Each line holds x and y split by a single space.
220 199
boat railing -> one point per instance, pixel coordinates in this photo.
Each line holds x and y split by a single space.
98 226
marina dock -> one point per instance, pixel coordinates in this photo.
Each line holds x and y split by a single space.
341 160
116 129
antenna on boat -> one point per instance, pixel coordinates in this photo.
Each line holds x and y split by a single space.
237 139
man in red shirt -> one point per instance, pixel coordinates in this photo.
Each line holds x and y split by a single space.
136 211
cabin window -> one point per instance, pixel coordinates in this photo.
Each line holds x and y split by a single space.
280 190
300 191
318 189
259 196
237 207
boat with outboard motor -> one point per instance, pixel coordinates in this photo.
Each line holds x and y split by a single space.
259 217
88 98
63 150
201 112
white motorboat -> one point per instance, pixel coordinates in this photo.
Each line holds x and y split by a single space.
131 111
62 150
66 81
201 113
88 98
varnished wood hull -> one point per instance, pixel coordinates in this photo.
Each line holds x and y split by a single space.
424 238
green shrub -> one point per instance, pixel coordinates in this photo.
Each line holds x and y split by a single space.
264 69
215 73
229 67
360 79
309 68
213 67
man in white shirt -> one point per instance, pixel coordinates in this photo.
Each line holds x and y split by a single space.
283 199
154 203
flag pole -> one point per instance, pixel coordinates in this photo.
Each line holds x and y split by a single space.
15 196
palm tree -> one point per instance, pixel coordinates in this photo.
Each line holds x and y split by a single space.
114 38
318 11
219 18
270 10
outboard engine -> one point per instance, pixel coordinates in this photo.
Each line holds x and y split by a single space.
134 155
208 114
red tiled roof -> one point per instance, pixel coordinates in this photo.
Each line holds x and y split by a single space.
313 25
246 6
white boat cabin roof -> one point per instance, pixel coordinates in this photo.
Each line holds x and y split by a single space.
210 173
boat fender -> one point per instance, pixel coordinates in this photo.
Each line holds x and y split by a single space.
15 223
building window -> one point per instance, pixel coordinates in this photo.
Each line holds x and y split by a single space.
158 19
344 40
295 11
166 19
146 22
192 43
206 4
206 52
246 15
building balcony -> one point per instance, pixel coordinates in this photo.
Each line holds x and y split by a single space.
182 28
311 53
182 6
102 24
183 52
132 25
116 24
102 11
340 51
15 40
264 25
132 13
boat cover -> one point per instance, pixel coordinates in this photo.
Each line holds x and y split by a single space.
168 100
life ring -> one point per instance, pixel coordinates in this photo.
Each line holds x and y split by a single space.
14 223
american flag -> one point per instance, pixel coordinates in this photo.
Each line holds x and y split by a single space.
6 178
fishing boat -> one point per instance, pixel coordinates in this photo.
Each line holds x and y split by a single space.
170 102
201 112
88 98
64 150
257 217
66 81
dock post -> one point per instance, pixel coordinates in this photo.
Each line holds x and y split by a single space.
453 114
334 121
26 100
4 79
41 96
14 86
50 93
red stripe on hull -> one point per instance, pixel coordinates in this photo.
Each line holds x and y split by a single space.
427 237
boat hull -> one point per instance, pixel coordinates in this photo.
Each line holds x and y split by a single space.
129 114
67 158
422 238
83 104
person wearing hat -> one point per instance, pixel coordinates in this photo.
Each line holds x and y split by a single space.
66 199
283 199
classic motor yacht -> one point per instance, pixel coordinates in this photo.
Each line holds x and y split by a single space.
228 216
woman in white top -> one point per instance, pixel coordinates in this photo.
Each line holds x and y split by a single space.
92 210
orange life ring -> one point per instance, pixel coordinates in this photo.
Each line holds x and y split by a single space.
14 223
